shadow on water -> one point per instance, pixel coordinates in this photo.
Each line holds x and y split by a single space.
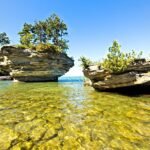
134 91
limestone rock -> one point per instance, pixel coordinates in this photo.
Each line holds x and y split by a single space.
29 65
5 78
136 74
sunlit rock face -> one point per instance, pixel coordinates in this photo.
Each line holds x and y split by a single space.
136 75
4 69
29 65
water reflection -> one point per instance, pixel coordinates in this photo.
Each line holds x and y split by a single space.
71 116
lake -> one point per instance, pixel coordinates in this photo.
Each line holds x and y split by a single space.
69 116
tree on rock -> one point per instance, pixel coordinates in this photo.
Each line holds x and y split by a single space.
56 30
4 39
116 60
26 34
39 32
48 32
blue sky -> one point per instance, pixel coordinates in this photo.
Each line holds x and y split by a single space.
92 24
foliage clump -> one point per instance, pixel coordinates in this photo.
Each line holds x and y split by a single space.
4 39
46 47
85 62
117 61
45 34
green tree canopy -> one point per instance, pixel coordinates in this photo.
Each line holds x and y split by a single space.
26 36
50 31
117 61
4 39
56 30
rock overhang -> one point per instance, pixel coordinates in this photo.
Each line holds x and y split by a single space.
31 65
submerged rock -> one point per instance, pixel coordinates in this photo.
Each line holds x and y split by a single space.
5 78
31 65
137 74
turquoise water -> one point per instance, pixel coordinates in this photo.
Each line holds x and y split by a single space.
71 79
69 116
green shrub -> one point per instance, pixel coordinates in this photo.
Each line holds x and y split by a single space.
85 62
31 47
21 46
48 47
41 47
117 61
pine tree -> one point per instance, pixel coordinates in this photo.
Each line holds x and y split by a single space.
4 39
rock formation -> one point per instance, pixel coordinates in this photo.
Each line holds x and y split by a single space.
137 73
31 65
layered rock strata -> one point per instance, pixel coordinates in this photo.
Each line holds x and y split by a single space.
138 73
29 65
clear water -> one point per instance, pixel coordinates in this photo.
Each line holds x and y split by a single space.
69 116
